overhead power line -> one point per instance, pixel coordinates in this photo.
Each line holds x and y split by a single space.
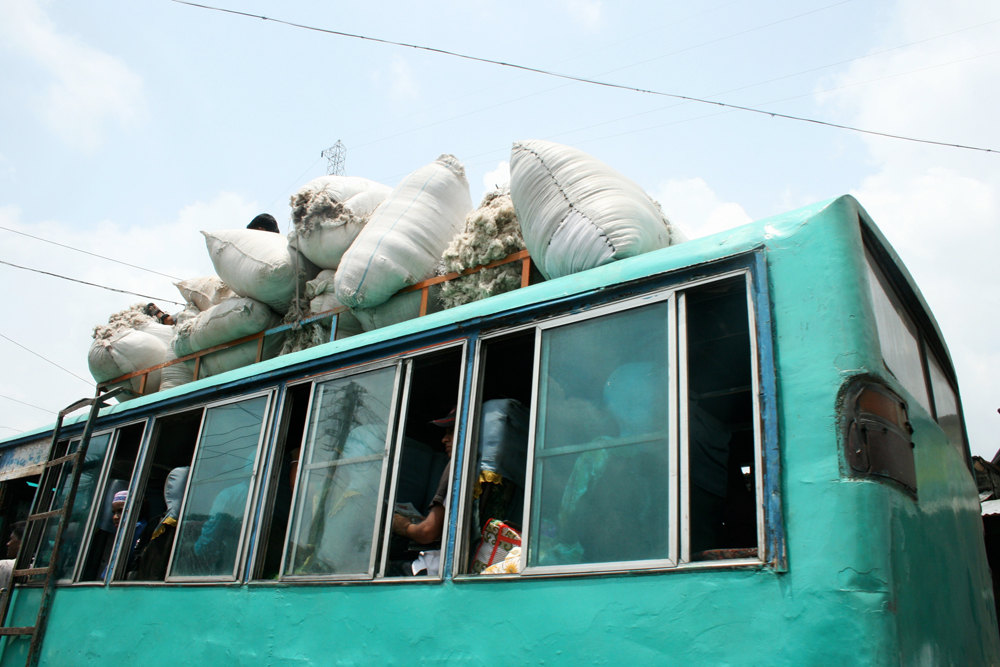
11 429
84 282
93 254
594 82
48 360
28 404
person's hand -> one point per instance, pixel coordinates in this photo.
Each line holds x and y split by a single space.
399 524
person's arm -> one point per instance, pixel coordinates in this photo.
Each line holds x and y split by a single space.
425 532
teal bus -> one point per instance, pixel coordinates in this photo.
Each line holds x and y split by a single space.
746 449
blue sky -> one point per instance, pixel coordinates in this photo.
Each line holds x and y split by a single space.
126 127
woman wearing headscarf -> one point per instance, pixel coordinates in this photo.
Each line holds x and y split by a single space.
152 563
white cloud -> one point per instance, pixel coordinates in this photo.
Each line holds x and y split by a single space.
499 177
939 207
89 88
55 317
402 82
585 12
696 210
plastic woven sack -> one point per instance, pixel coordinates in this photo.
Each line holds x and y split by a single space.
127 351
577 213
329 212
322 297
498 539
259 265
204 292
403 241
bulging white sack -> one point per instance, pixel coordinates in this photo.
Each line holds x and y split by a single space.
397 309
231 319
259 265
127 351
577 212
330 211
176 375
204 292
323 297
403 241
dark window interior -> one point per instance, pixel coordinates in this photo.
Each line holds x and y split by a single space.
422 460
508 367
293 424
122 465
172 446
720 422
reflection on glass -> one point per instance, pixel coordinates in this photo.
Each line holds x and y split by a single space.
897 336
946 403
338 503
73 533
219 490
599 489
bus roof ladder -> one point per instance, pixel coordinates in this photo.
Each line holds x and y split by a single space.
50 485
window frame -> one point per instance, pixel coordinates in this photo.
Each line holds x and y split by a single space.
679 474
295 509
248 510
95 510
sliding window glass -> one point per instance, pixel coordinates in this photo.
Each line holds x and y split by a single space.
220 485
342 474
601 492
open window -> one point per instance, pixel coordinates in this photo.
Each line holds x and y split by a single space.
368 454
191 514
641 447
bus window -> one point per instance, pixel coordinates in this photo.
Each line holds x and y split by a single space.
340 475
172 446
212 518
898 336
77 523
720 415
600 485
946 404
283 474
422 474
497 476
125 452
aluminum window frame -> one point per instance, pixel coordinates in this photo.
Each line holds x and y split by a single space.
298 496
240 558
95 509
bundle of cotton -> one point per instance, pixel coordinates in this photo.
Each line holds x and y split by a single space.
260 265
228 321
403 241
329 212
491 233
577 212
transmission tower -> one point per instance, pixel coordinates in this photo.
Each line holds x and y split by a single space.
335 156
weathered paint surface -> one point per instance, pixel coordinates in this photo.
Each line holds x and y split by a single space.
873 577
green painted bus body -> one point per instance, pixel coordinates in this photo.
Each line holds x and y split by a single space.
868 574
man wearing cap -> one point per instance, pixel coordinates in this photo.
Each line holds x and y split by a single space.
429 530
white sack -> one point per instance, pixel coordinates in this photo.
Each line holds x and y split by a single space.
259 265
127 351
323 297
176 375
162 331
231 319
330 211
577 212
403 241
397 309
204 292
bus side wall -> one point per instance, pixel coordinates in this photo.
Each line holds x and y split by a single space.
869 579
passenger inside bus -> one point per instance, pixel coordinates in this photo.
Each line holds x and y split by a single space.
152 562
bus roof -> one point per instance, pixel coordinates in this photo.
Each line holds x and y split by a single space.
766 233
